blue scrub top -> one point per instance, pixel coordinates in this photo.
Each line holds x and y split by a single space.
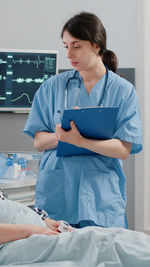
90 187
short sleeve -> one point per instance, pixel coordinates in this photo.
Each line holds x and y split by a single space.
14 212
128 127
38 119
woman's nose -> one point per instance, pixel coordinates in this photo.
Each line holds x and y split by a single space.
69 53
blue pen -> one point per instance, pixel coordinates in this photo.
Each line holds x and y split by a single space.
60 114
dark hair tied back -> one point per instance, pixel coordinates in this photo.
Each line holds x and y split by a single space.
87 26
110 60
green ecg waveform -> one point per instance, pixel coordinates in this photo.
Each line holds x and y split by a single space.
24 94
28 80
28 61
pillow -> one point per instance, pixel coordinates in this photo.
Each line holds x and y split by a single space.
15 212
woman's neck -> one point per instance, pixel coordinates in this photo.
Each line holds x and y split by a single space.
94 73
91 76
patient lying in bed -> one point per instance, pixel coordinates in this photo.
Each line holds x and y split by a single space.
90 246
11 232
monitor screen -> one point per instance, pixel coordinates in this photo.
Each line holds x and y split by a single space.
21 74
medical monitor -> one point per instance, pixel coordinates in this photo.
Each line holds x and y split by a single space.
21 74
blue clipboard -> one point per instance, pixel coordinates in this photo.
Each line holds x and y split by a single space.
94 123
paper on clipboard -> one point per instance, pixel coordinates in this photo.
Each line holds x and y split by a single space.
93 123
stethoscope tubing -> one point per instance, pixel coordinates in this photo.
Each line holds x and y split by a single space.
79 87
66 90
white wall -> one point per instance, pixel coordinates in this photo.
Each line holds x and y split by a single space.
142 163
37 24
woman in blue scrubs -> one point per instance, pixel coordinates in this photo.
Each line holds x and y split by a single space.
91 189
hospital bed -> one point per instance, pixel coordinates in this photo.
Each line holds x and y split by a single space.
88 247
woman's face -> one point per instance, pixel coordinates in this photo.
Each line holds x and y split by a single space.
81 54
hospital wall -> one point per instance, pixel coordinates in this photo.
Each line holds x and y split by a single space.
36 24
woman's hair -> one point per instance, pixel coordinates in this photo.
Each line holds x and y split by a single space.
87 26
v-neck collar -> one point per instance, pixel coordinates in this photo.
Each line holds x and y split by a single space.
94 97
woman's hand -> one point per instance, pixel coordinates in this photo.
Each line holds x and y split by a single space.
12 232
34 229
52 224
72 136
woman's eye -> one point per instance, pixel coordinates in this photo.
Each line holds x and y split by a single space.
76 46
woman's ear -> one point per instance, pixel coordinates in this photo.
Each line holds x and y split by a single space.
96 48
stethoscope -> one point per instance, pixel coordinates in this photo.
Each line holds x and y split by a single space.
79 87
